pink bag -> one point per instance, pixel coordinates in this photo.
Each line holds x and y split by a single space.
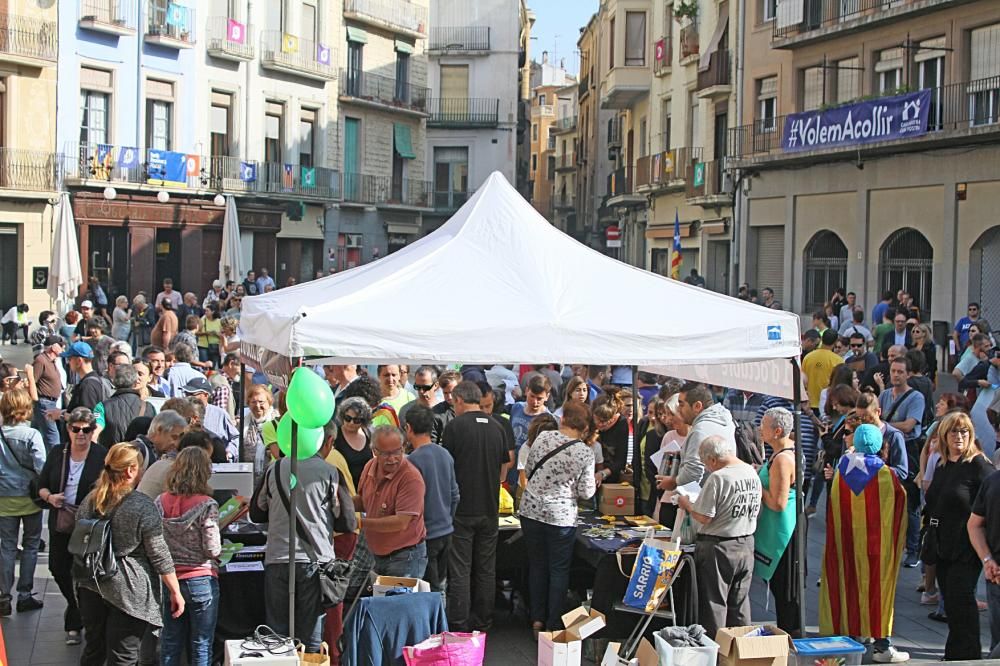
448 649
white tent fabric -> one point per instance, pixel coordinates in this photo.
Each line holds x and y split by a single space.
65 275
498 284
231 259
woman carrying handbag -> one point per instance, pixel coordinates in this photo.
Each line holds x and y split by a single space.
70 472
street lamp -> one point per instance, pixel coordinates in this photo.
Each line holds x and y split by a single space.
110 193
219 200
163 196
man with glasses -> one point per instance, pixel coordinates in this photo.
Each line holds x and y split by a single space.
48 325
900 333
860 359
425 383
391 493
961 333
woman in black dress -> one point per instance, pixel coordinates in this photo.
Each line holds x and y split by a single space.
353 436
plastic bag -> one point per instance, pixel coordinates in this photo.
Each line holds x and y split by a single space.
652 574
506 502
448 649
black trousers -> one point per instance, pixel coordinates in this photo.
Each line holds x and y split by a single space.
957 582
438 551
61 567
472 573
112 637
784 589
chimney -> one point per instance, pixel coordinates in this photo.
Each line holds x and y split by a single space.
545 57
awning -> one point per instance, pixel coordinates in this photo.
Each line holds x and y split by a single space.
714 227
713 45
404 47
357 35
403 229
404 145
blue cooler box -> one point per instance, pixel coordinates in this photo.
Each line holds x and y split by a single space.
831 651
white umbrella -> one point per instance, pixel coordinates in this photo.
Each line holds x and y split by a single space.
65 276
231 260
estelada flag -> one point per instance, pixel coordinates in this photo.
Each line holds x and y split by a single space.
865 534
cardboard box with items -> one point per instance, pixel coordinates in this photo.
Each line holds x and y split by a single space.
645 655
389 585
753 646
565 648
617 499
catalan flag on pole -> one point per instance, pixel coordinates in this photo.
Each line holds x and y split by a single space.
675 253
865 534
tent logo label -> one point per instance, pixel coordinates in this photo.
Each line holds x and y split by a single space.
774 333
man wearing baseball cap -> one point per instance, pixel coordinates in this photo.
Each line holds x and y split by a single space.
216 420
91 389
50 383
86 312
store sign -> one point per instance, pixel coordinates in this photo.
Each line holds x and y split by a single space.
883 119
40 277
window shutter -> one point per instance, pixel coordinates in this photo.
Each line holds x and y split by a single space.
848 80
768 88
890 59
635 39
985 52
454 81
812 88
771 259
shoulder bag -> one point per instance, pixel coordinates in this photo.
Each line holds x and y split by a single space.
550 454
334 575
34 480
66 514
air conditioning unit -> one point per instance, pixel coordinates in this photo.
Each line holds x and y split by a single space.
353 241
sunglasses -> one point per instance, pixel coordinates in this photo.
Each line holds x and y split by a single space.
353 419
854 346
423 388
848 432
77 430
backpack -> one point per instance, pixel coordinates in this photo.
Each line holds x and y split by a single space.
749 446
93 551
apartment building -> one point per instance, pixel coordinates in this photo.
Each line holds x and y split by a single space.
166 107
28 162
565 138
474 53
903 198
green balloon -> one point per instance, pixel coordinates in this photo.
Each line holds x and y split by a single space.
309 439
309 399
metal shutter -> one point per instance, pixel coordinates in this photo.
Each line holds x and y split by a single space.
771 259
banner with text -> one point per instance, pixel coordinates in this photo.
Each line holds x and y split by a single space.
882 119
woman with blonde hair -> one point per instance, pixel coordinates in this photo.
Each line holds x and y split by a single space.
191 530
121 319
960 473
118 612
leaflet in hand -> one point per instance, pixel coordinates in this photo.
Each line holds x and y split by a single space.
690 490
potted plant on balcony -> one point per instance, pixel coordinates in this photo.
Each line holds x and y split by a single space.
685 9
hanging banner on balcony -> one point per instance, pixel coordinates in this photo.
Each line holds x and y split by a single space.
660 51
177 16
236 32
322 54
308 178
193 169
167 168
248 172
287 177
289 43
128 157
883 119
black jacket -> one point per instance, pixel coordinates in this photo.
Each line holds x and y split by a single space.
614 445
56 468
119 411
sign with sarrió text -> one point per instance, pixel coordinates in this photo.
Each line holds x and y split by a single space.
871 121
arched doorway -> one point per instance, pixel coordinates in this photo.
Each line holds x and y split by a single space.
984 274
825 267
906 261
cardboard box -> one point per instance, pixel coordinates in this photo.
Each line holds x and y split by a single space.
617 499
386 584
738 649
565 648
645 655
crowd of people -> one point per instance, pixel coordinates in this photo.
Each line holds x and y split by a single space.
126 426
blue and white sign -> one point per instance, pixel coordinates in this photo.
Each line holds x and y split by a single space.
128 157
167 168
774 332
248 172
882 119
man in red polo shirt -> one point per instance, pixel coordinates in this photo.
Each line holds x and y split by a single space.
391 493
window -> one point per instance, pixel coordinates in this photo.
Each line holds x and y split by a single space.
906 261
694 125
984 89
812 88
643 150
307 125
273 117
930 74
534 163
889 71
551 171
541 100
220 123
848 80
451 177
403 77
767 103
309 28
769 9
95 105
635 39
667 122
534 131
826 268
355 51
159 114
611 44
454 82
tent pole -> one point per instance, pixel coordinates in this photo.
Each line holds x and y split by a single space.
293 495
800 515
239 410
637 468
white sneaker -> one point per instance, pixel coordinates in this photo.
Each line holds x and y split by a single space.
73 638
890 656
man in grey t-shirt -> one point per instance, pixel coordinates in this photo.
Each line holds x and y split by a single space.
727 510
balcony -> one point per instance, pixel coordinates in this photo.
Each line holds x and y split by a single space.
28 41
663 53
301 57
564 201
464 113
367 189
543 110
624 86
583 89
622 191
230 40
398 16
615 133
113 17
960 114
467 40
448 201
717 80
383 92
565 124
28 170
689 43
170 26
704 184
297 181
665 171
804 21
566 162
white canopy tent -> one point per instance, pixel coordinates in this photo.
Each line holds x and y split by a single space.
499 284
